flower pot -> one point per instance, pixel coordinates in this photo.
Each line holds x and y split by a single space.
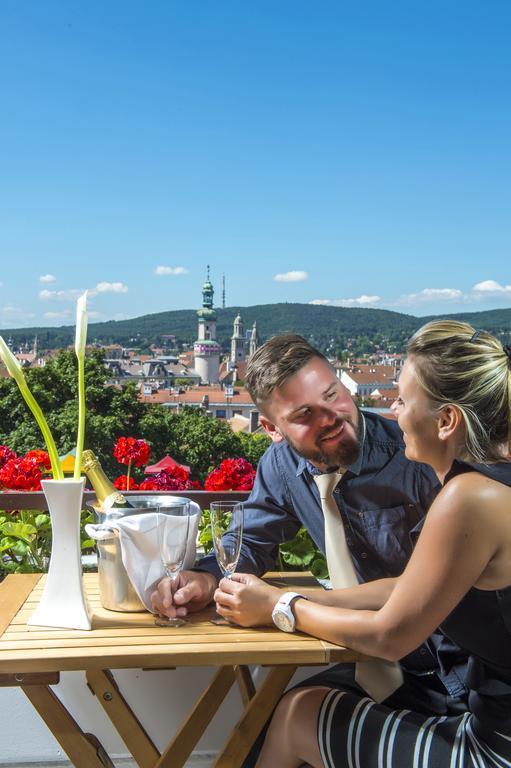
63 602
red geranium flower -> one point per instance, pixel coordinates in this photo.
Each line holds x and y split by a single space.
41 458
175 479
129 450
121 483
6 454
231 475
21 474
149 485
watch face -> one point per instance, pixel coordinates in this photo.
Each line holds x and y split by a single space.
282 621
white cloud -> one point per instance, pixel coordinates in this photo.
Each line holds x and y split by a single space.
429 294
360 301
111 288
69 295
11 313
66 314
170 271
47 279
441 293
295 276
492 287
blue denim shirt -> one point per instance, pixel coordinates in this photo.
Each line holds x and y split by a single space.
382 499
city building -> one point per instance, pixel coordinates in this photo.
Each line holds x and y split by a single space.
363 380
206 349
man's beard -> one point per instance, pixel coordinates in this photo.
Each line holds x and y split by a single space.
346 453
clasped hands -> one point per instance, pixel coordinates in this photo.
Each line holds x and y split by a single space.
243 599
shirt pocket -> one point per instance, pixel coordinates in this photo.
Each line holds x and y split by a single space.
388 534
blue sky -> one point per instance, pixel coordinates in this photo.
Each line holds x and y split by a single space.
338 152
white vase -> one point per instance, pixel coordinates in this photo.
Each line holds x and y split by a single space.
63 601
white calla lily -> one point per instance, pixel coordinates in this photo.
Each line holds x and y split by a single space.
11 362
82 319
80 343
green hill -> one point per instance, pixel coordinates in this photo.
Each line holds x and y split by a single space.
327 326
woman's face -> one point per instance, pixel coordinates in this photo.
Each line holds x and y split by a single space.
417 418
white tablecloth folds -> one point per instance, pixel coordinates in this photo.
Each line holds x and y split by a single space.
139 546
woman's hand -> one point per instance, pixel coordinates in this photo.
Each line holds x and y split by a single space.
246 600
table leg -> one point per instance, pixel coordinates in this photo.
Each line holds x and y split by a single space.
183 743
245 683
255 716
130 729
83 749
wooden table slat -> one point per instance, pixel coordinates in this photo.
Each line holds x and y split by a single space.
12 599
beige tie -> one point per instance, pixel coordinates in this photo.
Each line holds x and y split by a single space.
379 678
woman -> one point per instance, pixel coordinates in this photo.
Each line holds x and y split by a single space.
454 410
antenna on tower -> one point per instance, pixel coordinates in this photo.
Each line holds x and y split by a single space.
223 291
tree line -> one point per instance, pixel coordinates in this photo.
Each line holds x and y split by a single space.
332 329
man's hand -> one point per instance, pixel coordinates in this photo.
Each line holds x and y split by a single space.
246 600
191 591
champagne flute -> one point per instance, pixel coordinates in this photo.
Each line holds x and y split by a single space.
227 531
173 525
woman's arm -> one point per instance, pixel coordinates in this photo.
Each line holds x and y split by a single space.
457 542
369 596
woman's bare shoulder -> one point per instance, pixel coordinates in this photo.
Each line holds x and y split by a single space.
473 491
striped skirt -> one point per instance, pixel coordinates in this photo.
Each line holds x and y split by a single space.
355 732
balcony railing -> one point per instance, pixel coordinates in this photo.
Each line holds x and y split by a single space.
13 500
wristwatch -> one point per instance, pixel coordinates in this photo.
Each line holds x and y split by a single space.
282 615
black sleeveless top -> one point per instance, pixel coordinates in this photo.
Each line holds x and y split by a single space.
481 624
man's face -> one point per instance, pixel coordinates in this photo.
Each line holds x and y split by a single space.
316 415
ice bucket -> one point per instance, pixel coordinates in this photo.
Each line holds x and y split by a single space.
116 591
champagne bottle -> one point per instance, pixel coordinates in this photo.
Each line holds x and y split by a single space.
106 493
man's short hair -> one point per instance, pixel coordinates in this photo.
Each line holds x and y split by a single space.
275 362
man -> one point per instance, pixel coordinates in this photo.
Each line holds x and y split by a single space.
382 498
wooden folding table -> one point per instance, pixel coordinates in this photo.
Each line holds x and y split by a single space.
32 658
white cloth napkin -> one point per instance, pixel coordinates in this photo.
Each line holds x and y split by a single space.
139 546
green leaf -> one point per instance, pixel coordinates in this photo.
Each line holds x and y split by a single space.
42 521
319 568
299 556
23 531
20 548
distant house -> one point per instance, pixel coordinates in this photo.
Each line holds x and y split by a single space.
231 372
156 372
385 398
113 351
362 380
222 403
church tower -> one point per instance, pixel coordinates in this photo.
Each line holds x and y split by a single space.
238 342
254 340
206 349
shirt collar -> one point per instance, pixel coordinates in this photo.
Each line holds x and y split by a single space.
304 464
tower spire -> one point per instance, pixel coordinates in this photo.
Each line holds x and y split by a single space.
206 348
